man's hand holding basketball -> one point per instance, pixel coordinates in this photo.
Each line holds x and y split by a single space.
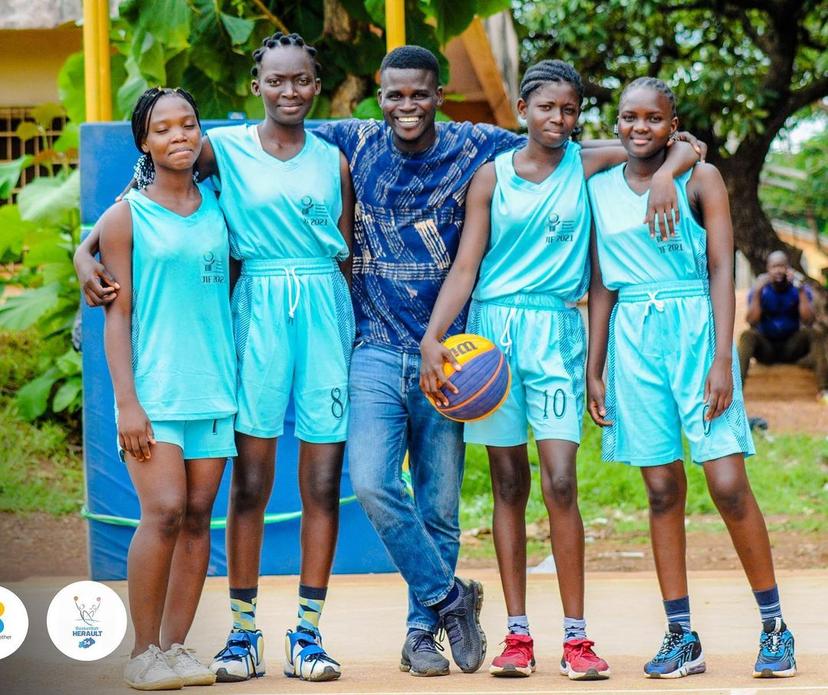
433 355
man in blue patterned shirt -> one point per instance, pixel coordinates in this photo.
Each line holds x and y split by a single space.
410 178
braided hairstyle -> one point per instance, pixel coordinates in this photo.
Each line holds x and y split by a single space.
280 39
652 83
141 114
547 71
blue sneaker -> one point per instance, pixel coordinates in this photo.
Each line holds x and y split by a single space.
242 657
776 651
306 658
680 655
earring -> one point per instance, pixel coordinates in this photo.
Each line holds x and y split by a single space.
521 122
615 129
144 171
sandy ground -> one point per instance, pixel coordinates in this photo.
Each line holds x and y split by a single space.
363 625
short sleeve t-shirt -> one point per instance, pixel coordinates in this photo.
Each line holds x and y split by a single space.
780 311
409 214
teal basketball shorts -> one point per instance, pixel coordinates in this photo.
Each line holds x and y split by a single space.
294 331
197 439
543 339
661 345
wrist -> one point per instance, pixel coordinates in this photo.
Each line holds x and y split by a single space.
726 358
127 401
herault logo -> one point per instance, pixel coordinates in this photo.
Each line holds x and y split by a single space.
14 622
86 620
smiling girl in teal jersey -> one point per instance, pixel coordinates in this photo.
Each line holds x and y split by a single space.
169 345
666 309
288 201
527 232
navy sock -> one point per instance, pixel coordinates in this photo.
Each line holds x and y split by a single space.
450 598
768 602
678 611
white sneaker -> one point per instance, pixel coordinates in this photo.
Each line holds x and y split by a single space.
150 671
241 659
190 669
306 658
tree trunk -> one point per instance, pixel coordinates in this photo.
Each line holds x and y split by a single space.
347 95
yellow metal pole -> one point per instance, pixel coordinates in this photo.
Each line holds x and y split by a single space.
103 56
90 60
394 24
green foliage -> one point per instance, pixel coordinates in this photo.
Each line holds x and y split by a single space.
205 46
789 476
738 68
40 233
808 204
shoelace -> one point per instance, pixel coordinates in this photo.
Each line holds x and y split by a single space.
516 647
584 647
671 639
312 649
155 655
188 654
425 642
772 642
451 628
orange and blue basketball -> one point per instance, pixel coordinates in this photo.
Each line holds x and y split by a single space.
482 383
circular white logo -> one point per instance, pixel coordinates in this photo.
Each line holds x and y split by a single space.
14 622
86 621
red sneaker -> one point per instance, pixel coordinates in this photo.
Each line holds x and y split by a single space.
580 663
517 659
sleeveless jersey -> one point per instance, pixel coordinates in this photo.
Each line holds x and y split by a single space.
182 336
627 254
539 240
276 209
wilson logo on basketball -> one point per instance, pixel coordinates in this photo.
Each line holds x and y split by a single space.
482 383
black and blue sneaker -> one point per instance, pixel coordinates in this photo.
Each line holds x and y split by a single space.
680 655
776 651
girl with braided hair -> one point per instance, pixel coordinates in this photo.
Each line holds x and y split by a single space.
661 317
169 345
287 197
527 232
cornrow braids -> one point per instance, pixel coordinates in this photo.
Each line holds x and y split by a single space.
141 114
547 71
658 85
280 39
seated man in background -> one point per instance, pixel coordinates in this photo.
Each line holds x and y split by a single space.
780 313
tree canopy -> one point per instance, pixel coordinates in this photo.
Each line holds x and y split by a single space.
740 70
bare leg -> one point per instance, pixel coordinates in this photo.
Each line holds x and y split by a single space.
250 489
511 481
560 493
730 489
192 551
667 493
320 471
161 484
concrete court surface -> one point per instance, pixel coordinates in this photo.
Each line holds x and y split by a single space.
363 624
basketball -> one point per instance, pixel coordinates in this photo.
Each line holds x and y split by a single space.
483 382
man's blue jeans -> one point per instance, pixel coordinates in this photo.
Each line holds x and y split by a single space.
389 415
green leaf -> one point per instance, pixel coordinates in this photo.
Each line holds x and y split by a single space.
69 363
368 108
167 20
22 311
452 16
239 29
44 248
71 87
48 200
33 398
69 138
13 231
46 113
68 395
10 174
485 8
149 57
27 130
134 86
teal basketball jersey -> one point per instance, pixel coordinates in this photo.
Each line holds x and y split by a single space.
539 241
279 209
627 253
182 337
